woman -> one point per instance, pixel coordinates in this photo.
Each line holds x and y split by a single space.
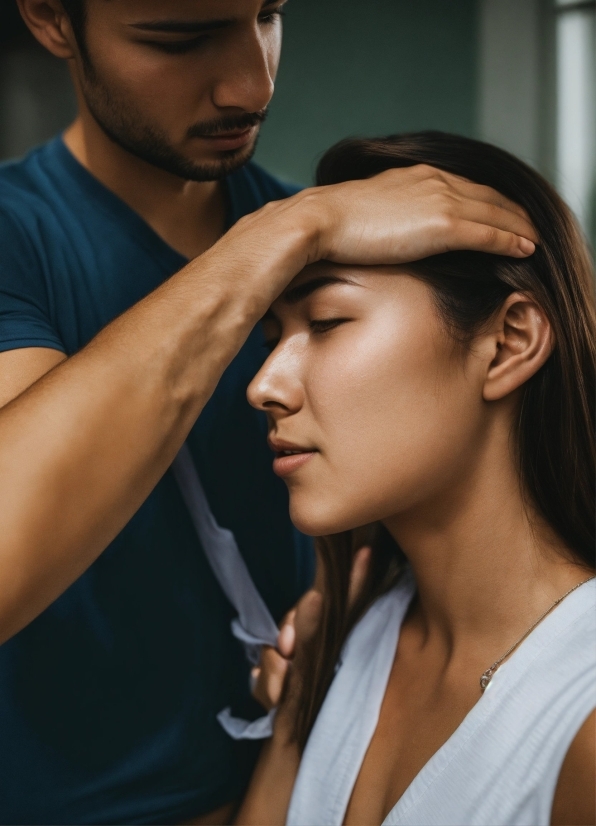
448 405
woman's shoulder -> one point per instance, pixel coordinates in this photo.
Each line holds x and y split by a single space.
575 795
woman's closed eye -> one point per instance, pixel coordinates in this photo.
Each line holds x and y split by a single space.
324 325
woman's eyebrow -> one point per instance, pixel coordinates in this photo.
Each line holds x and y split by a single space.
302 291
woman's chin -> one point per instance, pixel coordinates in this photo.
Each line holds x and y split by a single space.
315 520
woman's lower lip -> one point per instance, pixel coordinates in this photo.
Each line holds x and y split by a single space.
284 465
233 141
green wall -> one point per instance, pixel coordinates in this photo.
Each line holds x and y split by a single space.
368 67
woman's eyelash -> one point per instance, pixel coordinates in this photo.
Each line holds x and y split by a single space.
323 325
317 325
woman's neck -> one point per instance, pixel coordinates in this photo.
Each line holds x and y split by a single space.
485 565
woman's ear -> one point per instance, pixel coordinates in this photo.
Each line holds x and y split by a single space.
522 340
50 25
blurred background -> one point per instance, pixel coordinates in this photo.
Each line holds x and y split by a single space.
518 73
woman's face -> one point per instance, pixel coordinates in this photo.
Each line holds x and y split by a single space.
364 387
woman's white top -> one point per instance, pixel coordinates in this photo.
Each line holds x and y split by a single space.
500 766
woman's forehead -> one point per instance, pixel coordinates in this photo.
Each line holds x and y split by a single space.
322 273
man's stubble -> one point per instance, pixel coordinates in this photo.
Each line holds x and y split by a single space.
125 125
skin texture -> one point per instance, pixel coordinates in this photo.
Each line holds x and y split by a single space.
83 440
131 395
409 429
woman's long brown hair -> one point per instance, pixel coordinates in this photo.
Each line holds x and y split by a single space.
554 436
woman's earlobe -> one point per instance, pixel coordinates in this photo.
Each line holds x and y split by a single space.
523 340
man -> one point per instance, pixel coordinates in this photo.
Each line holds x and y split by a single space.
117 652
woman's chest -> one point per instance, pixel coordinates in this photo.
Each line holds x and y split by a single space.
423 706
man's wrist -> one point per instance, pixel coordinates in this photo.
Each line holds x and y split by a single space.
263 251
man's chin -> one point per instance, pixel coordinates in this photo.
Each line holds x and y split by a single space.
221 164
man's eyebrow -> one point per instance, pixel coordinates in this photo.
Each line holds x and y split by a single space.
173 26
302 291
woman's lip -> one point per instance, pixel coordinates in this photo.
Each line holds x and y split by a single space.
231 140
284 465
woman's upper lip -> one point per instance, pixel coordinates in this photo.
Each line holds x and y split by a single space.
279 445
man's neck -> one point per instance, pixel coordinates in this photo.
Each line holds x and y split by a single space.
188 215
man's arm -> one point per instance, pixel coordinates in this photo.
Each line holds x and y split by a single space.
20 368
85 444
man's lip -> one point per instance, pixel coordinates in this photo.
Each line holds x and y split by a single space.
230 140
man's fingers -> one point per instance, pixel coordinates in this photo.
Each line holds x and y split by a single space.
495 216
300 625
480 192
468 235
286 639
475 202
308 616
267 679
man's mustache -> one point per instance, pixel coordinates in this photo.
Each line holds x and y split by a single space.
231 123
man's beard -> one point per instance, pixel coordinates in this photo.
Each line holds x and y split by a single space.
126 128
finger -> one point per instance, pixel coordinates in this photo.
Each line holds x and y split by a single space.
469 235
286 639
495 216
471 191
480 192
268 678
308 615
358 574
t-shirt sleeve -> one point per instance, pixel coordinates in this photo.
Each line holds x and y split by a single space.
25 317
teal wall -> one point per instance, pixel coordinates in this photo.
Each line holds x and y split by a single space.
368 67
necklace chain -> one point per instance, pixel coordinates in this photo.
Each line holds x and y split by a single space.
489 673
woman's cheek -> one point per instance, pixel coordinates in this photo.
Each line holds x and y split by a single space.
378 413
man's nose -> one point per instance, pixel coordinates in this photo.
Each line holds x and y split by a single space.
247 78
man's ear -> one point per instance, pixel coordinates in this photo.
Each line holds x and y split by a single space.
49 24
522 340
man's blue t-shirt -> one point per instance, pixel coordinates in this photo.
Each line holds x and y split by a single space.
108 700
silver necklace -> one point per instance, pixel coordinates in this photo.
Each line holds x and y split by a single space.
489 673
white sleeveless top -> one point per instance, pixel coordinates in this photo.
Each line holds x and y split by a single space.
500 767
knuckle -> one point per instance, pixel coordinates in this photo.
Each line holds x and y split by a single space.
427 171
447 222
490 236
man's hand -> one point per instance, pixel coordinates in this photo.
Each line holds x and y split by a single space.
297 629
407 214
397 216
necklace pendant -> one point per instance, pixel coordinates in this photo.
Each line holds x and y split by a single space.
485 679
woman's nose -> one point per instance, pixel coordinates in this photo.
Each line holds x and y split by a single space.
276 388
